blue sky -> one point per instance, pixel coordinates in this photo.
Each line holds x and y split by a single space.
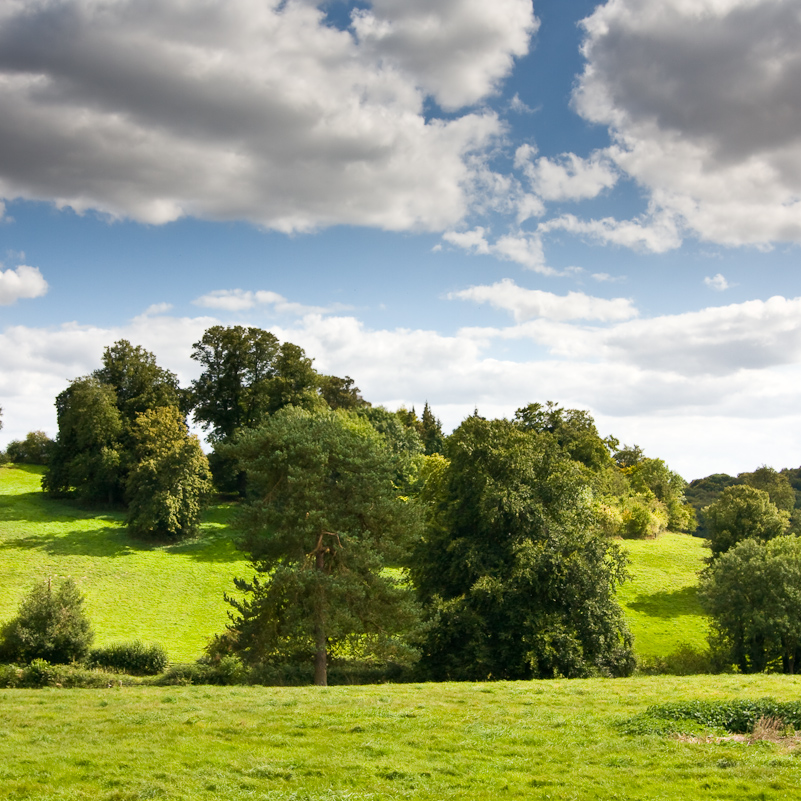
467 203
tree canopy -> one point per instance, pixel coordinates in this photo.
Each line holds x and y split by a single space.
516 577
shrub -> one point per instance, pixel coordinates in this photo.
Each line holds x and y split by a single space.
10 676
135 658
38 674
684 661
50 624
34 449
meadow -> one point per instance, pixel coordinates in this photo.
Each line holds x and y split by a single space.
173 593
536 740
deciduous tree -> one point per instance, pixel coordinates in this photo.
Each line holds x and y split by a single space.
517 579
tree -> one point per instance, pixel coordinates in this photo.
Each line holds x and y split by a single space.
92 454
322 522
170 481
742 512
753 594
431 433
573 429
775 484
87 454
51 624
36 448
340 393
518 581
654 476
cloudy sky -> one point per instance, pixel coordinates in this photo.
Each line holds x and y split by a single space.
471 203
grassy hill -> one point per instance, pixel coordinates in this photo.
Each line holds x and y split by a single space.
173 594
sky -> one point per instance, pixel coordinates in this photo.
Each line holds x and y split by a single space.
478 205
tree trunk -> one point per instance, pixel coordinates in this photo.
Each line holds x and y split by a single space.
320 653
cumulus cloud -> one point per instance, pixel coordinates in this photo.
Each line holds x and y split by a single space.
526 304
246 109
21 282
717 282
704 102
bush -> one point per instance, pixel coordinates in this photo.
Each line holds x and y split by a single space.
50 624
135 658
684 661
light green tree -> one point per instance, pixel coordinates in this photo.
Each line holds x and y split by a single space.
323 521
170 482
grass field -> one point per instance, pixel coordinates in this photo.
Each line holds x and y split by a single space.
532 740
173 594
660 601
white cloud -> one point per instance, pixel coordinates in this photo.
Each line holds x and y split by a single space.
568 177
655 233
607 278
234 300
21 282
648 380
246 109
157 308
717 282
526 304
703 99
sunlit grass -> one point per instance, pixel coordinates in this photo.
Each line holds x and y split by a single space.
172 594
660 601
526 740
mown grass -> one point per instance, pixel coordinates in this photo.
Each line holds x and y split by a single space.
660 600
532 740
170 593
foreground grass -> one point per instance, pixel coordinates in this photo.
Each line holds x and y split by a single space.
172 594
660 600
533 740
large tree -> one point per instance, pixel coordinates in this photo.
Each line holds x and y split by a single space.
323 521
753 594
517 579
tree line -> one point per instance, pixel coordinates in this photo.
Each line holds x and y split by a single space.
374 538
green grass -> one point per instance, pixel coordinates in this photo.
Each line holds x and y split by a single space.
660 601
526 740
172 594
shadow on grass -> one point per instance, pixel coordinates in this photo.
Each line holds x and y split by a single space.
668 603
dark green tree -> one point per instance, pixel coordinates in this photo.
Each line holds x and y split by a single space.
753 594
774 483
341 393
518 581
170 481
323 521
742 512
573 429
88 453
51 624
431 432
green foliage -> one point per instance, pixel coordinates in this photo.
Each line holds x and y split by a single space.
686 660
738 716
652 476
753 593
36 448
573 429
323 521
516 577
135 658
170 481
742 512
775 484
340 393
431 432
50 625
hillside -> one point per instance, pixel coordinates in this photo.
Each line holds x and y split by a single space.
174 593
